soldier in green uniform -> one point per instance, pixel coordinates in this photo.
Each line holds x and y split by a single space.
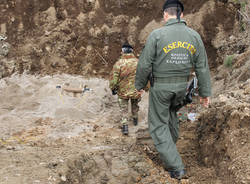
167 59
122 80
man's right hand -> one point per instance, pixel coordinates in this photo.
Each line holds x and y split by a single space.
205 101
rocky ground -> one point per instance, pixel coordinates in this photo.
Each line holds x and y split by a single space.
52 136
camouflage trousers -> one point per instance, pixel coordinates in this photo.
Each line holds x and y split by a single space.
124 109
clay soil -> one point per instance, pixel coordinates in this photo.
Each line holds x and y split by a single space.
51 136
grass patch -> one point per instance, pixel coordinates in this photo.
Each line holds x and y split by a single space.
228 62
242 4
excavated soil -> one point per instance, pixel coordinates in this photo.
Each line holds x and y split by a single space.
51 136
85 36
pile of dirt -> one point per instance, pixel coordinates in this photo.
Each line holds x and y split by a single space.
224 142
223 134
223 129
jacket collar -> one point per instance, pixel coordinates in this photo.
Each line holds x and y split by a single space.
174 21
127 56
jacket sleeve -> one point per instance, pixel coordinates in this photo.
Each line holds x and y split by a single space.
114 77
144 67
202 70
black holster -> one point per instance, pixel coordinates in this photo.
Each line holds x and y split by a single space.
151 80
187 100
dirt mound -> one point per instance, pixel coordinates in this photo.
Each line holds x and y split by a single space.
223 130
224 138
114 166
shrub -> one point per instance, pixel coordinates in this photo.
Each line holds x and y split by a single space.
228 62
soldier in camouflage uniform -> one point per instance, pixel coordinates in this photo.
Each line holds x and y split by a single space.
4 46
121 82
4 50
168 57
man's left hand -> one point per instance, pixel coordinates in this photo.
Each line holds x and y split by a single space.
114 91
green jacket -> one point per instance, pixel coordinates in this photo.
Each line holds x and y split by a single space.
172 51
122 77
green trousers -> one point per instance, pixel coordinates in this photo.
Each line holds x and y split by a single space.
164 123
124 109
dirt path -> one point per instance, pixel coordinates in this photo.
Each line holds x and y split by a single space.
42 128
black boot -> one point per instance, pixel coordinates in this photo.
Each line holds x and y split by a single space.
178 174
125 129
135 121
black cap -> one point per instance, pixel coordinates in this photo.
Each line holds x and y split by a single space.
173 3
127 45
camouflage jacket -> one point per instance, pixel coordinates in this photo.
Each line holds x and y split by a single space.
122 77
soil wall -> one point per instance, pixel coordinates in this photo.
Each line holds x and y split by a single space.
85 36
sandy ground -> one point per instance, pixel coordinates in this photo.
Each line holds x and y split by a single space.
40 123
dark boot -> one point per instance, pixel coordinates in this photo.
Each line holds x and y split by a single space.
178 174
125 129
135 121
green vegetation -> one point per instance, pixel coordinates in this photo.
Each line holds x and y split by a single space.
242 12
228 62
242 3
243 26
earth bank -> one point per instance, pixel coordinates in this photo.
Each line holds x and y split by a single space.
85 36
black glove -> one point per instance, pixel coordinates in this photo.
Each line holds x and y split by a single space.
114 91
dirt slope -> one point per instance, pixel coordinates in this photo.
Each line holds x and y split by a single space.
85 37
